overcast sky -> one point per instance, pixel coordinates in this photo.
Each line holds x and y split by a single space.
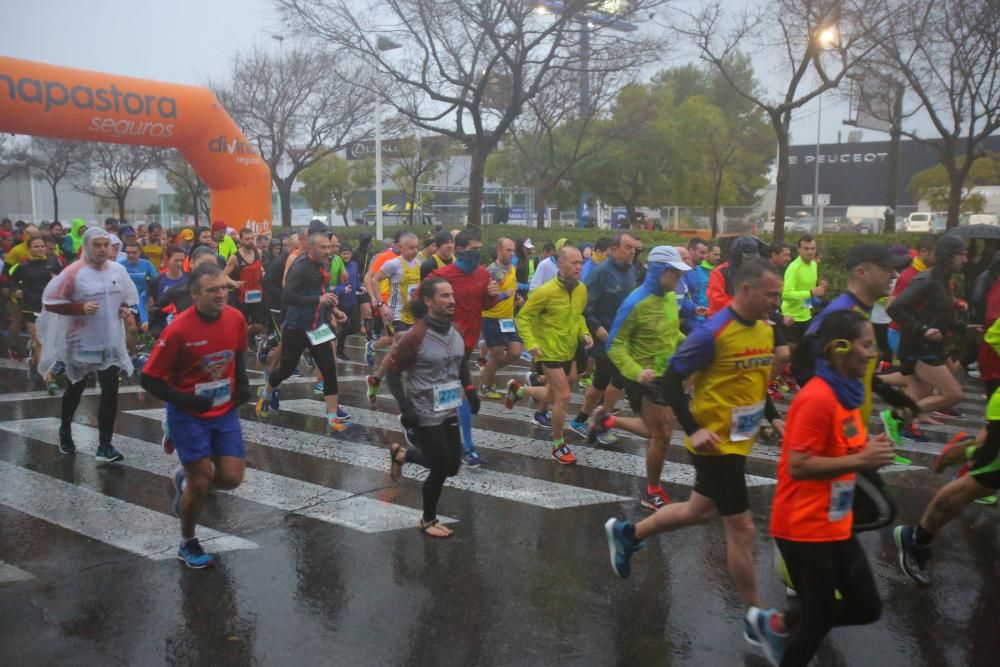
192 41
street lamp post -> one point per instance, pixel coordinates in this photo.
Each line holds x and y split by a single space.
382 44
824 39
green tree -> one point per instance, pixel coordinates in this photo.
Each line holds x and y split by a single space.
191 193
933 185
333 182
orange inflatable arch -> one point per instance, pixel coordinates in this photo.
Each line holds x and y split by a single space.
65 103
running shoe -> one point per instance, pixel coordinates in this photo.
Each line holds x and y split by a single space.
262 353
178 490
901 460
893 427
108 454
542 419
947 413
563 455
913 434
655 500
343 414
750 633
373 384
532 379
775 395
318 388
263 407
192 555
343 356
771 642
335 423
370 353
307 358
621 547
586 380
59 368
166 441
410 434
580 428
66 444
598 426
471 458
913 557
513 386
955 452
275 399
986 500
52 387
489 391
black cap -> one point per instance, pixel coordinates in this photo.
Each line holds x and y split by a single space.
317 227
876 254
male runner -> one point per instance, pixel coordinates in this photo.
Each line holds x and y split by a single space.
802 284
552 326
246 268
198 368
731 353
376 298
499 328
443 254
141 272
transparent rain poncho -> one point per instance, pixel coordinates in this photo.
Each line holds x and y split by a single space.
87 343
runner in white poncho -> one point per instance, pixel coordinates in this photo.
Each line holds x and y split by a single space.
82 327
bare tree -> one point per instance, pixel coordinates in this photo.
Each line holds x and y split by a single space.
12 158
56 160
947 52
820 42
295 107
192 192
417 159
466 69
114 169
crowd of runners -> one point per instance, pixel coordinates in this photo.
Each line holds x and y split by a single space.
684 339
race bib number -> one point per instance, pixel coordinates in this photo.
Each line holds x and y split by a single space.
219 391
841 499
252 296
447 396
507 326
413 293
321 334
746 422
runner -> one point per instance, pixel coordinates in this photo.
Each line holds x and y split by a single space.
923 261
307 326
428 374
152 246
246 269
198 368
547 268
347 292
29 277
826 443
645 333
926 314
474 292
720 284
403 274
443 254
802 285
175 296
141 272
224 243
731 352
552 327
608 285
82 327
597 256
378 335
499 328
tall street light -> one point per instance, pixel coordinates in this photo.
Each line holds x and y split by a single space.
382 44
824 40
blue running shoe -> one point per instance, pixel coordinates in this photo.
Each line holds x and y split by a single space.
343 414
580 428
772 643
192 555
370 353
542 419
178 491
108 454
621 547
471 458
318 388
750 633
275 399
913 556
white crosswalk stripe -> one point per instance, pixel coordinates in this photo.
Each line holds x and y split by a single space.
540 493
104 518
9 573
588 457
304 498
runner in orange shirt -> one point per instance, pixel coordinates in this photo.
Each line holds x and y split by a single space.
383 338
825 444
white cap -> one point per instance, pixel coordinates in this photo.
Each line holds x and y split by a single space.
665 254
528 244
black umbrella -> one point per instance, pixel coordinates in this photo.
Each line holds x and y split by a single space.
976 231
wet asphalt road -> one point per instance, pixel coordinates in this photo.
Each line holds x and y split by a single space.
321 562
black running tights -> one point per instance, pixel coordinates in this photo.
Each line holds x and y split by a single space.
107 409
440 451
817 570
293 343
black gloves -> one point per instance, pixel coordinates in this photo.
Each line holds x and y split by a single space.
473 397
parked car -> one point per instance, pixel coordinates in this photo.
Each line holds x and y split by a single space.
869 226
921 222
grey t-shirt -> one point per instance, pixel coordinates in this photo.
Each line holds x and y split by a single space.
430 361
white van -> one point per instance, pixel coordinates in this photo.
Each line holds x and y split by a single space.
920 223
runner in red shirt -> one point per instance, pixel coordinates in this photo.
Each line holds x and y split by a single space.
474 292
246 269
198 367
826 443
